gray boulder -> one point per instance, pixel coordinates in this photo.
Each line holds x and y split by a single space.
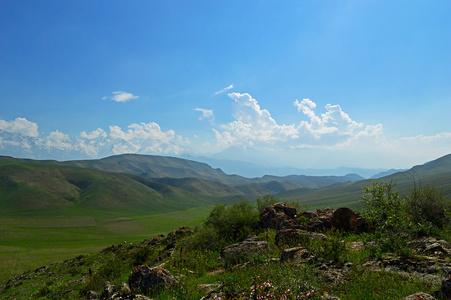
144 279
238 251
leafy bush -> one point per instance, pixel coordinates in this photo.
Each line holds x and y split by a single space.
427 208
397 219
224 226
383 206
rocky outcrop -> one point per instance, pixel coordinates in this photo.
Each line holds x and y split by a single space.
281 216
238 251
432 246
146 279
277 219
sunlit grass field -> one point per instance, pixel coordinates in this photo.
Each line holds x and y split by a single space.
32 242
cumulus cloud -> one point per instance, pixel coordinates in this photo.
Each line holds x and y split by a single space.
224 90
333 121
57 140
252 126
99 132
146 138
206 113
20 137
119 96
255 127
21 126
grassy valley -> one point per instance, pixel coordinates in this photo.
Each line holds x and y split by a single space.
51 210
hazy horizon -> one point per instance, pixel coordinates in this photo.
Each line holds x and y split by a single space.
303 84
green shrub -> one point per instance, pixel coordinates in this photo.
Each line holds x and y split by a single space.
427 208
224 226
334 248
397 219
383 206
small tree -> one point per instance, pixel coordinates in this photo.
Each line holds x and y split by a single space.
382 205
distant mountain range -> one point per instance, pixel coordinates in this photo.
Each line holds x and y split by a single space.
145 184
251 170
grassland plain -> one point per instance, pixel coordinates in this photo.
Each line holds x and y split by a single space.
30 242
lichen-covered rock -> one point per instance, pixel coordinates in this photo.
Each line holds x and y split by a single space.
293 237
295 254
419 296
248 247
144 278
431 246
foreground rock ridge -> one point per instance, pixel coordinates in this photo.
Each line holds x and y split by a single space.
432 263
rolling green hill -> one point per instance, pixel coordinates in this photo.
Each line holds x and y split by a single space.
126 183
143 183
31 187
435 173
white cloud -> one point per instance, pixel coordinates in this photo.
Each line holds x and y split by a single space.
333 121
253 126
57 140
99 132
120 96
21 126
147 138
224 90
206 113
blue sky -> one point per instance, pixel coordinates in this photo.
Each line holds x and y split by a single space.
307 84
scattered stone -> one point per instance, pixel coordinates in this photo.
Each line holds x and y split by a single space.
327 296
145 278
154 241
280 206
125 289
209 289
108 290
429 245
295 254
180 233
91 295
419 296
248 247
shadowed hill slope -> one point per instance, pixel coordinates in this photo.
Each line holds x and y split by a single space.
28 187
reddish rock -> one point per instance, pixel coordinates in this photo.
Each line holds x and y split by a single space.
344 219
290 211
271 218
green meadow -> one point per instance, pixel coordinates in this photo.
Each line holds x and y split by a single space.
32 242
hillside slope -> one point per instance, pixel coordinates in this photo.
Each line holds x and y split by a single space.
435 173
30 187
